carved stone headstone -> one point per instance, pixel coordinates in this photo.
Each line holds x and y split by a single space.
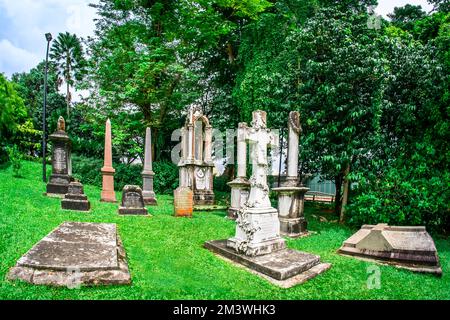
61 163
257 243
405 247
132 201
75 254
75 199
183 202
196 165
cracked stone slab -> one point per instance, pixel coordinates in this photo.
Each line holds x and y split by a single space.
85 253
284 268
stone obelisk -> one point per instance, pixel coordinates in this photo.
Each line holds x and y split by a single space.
147 173
108 194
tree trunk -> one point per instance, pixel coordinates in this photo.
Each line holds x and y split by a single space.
345 195
337 197
68 100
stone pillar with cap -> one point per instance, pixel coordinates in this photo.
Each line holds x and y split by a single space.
240 186
147 173
108 194
61 146
291 196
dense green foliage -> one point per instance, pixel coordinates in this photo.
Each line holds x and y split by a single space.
167 259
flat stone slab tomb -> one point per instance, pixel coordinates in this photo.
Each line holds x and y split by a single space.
410 248
284 268
75 254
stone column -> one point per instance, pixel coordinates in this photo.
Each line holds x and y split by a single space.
190 142
239 186
291 196
147 173
208 144
108 194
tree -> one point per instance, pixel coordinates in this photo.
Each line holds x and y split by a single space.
67 53
405 17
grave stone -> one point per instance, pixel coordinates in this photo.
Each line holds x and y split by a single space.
108 194
75 199
75 254
132 201
257 243
183 202
405 247
61 163
147 173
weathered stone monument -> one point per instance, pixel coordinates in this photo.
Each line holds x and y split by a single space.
410 248
61 161
147 173
291 196
108 194
196 165
240 186
75 254
183 202
75 199
257 243
132 201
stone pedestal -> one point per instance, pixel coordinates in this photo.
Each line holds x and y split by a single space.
147 173
291 204
410 248
108 194
61 153
75 199
132 201
240 189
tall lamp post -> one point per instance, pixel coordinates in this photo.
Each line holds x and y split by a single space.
49 38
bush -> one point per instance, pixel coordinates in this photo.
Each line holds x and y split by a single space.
88 171
402 200
15 158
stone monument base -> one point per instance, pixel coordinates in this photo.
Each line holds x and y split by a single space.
76 203
58 185
133 211
410 248
150 201
285 268
75 254
203 198
293 228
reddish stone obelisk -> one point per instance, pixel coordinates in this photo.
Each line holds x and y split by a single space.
108 194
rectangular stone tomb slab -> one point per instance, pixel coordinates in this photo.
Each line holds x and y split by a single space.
411 248
75 254
284 268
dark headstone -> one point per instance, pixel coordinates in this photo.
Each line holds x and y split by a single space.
132 201
61 153
75 254
405 247
183 199
75 199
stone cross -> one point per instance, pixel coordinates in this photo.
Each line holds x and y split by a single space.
108 194
147 173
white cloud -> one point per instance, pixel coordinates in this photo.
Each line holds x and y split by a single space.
13 59
387 6
23 24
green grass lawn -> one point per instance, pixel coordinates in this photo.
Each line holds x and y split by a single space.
167 259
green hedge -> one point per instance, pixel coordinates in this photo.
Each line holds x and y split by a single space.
87 170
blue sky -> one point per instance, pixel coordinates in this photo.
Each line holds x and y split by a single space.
23 24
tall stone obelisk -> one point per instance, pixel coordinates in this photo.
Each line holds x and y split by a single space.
108 194
147 173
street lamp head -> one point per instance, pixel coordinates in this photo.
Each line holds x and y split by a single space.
48 36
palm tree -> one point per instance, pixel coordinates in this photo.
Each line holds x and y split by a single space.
67 53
